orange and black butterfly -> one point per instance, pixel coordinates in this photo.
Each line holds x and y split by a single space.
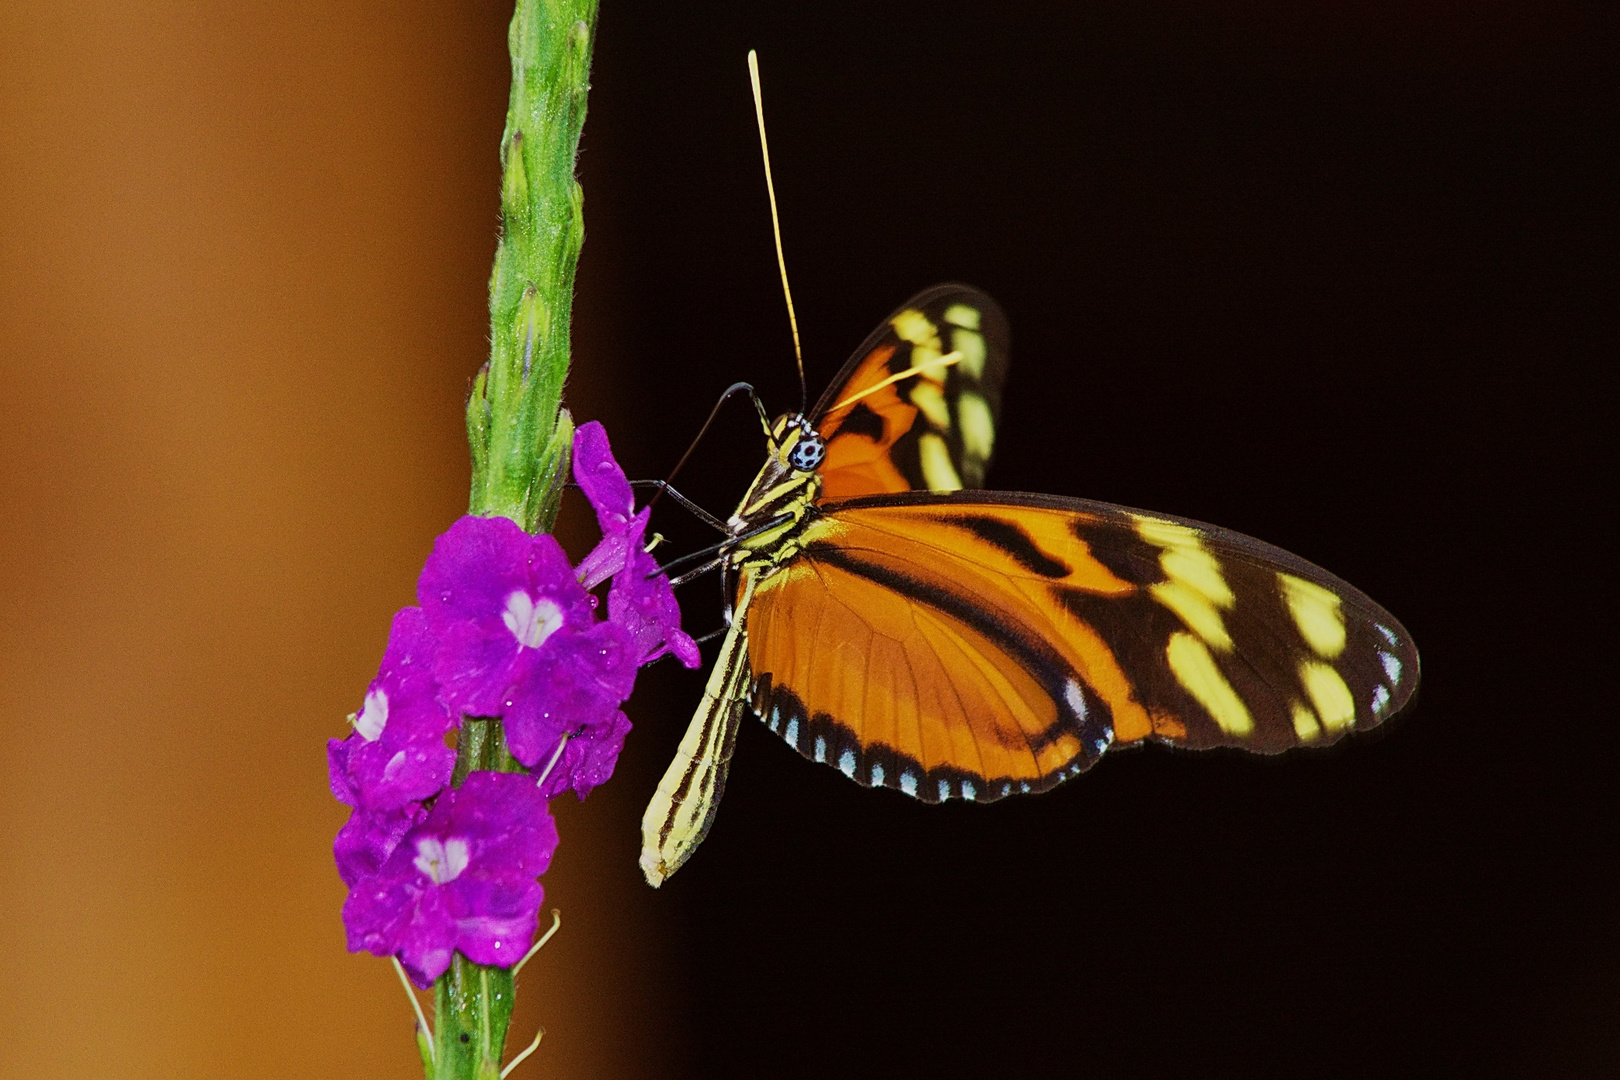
952 643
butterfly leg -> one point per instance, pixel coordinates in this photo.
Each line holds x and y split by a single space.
688 505
725 545
734 388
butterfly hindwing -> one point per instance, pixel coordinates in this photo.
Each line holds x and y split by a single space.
984 643
933 430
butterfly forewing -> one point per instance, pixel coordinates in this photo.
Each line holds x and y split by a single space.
933 429
955 643
984 643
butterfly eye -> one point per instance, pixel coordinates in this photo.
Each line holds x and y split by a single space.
807 452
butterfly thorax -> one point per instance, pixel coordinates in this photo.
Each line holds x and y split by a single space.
786 487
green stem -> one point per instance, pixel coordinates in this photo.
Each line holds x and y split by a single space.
519 433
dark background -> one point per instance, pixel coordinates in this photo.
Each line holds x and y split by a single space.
1338 277
1341 276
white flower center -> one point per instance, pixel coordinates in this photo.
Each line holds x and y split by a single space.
441 862
531 621
373 716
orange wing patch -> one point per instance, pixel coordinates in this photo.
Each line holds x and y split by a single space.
860 436
903 653
981 644
926 390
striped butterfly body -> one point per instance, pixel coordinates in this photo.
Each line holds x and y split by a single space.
955 643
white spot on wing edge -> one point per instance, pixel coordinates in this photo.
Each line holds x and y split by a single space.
1380 700
908 783
969 792
792 732
944 790
846 763
821 748
877 774
1389 635
1075 697
1392 667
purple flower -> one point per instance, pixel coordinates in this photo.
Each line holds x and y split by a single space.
574 693
641 599
518 638
396 754
369 837
600 478
497 598
463 879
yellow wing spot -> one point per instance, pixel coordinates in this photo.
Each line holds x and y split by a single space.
978 426
936 464
926 361
1328 692
1196 590
1197 569
971 346
963 315
1167 534
1317 613
913 326
930 400
1195 670
1305 725
1195 612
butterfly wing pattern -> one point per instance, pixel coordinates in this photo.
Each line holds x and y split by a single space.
966 644
931 431
983 644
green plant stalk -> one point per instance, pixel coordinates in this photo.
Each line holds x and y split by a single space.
519 433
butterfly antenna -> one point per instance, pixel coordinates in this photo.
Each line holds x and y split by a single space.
776 225
734 388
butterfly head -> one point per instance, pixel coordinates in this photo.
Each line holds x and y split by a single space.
796 443
788 481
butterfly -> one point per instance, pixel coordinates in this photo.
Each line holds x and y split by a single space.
951 643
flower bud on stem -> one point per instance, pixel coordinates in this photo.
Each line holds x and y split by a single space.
513 411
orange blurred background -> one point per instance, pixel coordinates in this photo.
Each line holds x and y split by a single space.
243 257
242 283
